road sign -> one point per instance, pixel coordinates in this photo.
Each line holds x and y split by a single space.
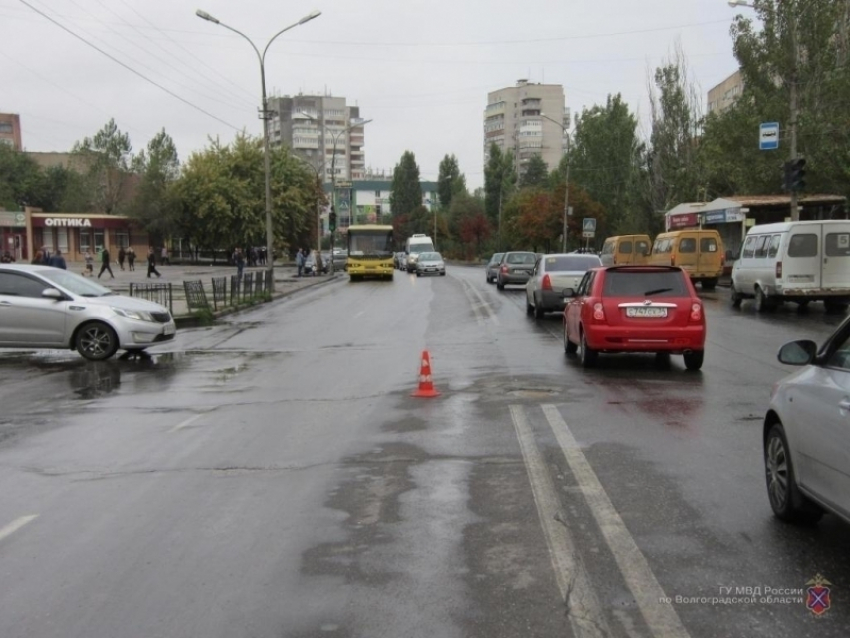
768 136
588 227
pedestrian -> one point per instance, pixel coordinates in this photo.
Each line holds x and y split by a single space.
131 258
122 254
38 259
165 261
58 261
152 264
104 263
89 271
239 260
45 253
299 261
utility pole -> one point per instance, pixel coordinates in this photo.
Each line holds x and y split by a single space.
792 121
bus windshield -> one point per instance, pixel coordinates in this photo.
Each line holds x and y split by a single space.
370 242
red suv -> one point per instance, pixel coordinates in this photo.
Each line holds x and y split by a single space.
635 309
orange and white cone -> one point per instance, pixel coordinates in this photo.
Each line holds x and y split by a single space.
426 383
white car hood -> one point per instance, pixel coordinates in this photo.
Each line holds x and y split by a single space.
122 301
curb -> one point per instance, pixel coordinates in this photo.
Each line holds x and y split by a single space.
193 321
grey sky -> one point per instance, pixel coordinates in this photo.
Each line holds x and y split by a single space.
420 70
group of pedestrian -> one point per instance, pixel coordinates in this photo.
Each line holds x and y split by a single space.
128 255
256 257
301 258
44 257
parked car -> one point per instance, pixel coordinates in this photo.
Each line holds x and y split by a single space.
45 307
805 435
493 267
635 309
340 258
430 263
794 261
515 268
551 274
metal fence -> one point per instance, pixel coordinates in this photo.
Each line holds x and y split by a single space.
158 293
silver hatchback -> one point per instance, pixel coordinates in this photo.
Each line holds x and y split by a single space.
45 307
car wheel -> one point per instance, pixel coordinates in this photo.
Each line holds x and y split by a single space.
539 310
735 296
96 341
443 274
500 285
569 346
786 500
588 354
529 309
835 306
762 302
802 306
418 274
693 360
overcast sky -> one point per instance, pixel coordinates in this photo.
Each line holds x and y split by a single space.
420 70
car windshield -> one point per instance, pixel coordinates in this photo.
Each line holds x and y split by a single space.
75 284
430 257
495 259
643 283
569 263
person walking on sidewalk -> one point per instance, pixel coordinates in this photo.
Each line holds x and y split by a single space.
122 254
131 258
152 263
299 261
239 260
104 263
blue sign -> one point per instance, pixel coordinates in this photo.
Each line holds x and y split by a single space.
768 136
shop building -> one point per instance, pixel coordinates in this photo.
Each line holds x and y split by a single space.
23 233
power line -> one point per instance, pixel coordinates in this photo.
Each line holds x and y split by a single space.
129 68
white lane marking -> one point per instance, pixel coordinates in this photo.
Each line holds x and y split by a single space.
186 423
486 306
15 525
662 619
583 607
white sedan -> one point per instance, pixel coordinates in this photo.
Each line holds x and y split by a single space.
551 274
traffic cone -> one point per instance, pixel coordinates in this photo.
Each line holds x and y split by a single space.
426 384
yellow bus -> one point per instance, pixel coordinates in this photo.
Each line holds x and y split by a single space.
370 251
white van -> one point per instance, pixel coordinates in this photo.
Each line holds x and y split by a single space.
415 244
794 261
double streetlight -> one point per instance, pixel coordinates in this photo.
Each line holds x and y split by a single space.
566 177
335 139
265 117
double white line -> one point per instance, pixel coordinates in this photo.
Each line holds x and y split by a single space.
585 612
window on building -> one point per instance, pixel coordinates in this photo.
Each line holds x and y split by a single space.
62 240
98 240
85 241
122 239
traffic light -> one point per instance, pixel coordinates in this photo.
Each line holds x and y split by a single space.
332 221
795 172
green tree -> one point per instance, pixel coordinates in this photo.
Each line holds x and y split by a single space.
536 173
799 44
499 181
406 191
157 169
21 181
674 171
605 159
107 157
449 181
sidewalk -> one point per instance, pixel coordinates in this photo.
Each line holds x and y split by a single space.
286 281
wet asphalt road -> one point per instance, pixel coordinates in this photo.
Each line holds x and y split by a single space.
271 476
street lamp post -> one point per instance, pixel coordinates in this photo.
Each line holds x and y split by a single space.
566 178
265 117
792 97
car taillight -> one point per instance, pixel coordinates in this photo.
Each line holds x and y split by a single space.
504 269
696 312
547 283
672 260
778 269
722 260
598 312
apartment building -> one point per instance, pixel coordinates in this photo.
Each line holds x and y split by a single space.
513 120
722 96
323 131
10 130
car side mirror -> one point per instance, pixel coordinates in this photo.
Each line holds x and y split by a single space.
566 293
52 293
798 353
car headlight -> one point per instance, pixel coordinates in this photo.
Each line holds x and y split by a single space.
441 265
141 315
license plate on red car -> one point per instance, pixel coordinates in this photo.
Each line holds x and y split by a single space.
646 312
